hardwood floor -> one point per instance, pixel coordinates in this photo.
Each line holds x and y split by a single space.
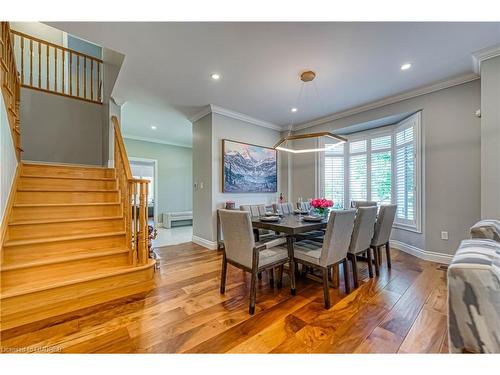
403 310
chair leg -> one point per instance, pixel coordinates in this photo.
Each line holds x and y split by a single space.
326 289
289 243
354 270
336 279
345 266
369 261
259 275
379 256
223 274
253 292
388 254
375 261
270 273
280 276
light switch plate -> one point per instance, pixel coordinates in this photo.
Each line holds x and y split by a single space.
444 235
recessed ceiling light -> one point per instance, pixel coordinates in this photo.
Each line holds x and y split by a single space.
406 66
153 127
294 109
215 76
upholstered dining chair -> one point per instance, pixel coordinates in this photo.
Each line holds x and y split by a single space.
257 210
241 250
283 208
304 206
362 234
382 233
332 251
357 204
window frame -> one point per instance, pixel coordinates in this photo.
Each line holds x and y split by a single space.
413 120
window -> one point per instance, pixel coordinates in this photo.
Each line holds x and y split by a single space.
407 170
334 175
382 165
381 169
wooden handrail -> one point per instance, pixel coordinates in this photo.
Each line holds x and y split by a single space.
121 146
134 197
33 52
10 86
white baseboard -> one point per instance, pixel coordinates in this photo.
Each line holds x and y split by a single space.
422 254
211 245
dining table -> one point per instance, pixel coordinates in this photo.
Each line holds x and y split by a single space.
292 226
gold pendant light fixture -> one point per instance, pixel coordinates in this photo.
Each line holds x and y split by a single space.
307 76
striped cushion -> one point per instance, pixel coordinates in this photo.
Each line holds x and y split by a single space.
489 229
474 297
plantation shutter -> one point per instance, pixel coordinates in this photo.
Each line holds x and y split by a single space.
358 170
405 173
381 169
334 175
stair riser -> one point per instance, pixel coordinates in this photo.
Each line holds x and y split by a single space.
61 171
29 308
45 251
64 184
32 275
61 212
30 231
64 197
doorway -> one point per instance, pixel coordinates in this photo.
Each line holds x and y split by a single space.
147 169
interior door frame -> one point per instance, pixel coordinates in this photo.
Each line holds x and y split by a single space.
155 171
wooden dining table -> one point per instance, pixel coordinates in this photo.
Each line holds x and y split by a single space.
291 226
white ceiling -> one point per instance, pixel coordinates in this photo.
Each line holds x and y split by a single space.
165 78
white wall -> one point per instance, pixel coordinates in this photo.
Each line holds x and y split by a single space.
490 138
8 160
451 164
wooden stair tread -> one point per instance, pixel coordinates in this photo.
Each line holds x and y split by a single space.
72 279
61 238
84 178
65 204
63 165
63 259
46 190
52 221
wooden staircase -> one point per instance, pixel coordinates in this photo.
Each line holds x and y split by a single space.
66 246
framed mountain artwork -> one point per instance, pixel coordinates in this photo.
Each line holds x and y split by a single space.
248 168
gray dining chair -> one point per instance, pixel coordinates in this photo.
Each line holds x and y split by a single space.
357 204
283 208
331 252
257 210
304 206
241 251
382 234
362 234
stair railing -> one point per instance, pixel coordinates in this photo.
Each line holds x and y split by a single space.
10 83
48 67
134 198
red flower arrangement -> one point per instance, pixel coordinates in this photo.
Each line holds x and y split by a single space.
321 205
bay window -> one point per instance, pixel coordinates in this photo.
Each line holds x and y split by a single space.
381 165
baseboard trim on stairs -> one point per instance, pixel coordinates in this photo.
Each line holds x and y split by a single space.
211 245
422 254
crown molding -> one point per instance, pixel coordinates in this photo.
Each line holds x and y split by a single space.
205 111
391 100
484 54
212 108
242 117
153 140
